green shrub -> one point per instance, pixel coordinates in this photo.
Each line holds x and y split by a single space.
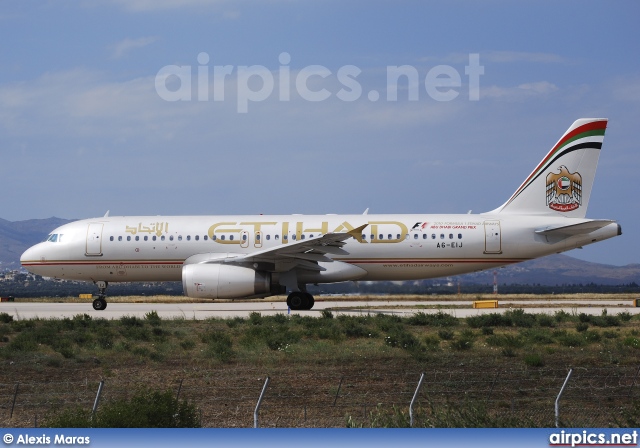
219 345
505 341
326 314
582 326
490 320
439 319
445 335
533 360
6 318
631 341
153 318
544 320
520 318
146 409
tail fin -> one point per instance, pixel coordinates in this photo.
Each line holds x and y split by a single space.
561 184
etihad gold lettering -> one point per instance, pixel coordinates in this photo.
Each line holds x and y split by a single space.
215 229
401 231
219 229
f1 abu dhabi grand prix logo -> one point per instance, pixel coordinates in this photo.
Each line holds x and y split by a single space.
564 190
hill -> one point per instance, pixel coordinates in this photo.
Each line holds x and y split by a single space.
17 236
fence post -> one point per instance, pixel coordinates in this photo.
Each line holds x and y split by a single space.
255 413
95 403
338 392
558 399
179 389
630 389
413 400
15 395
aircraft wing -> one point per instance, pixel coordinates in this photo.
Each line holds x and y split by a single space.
582 228
303 254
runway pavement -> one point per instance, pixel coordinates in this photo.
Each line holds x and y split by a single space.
200 311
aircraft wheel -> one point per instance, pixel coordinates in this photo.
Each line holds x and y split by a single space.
310 301
296 300
99 304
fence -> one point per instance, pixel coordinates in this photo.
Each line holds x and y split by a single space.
593 397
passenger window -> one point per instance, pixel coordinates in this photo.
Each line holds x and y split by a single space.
221 237
188 237
424 236
459 236
381 236
389 237
415 236
277 237
433 236
285 237
171 238
442 236
110 238
293 237
137 238
244 237
230 237
162 238
302 236
119 238
146 238
179 237
206 237
128 237
258 237
197 237
373 237
364 237
451 236
153 237
398 237
268 237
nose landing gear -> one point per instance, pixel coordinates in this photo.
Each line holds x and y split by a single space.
100 303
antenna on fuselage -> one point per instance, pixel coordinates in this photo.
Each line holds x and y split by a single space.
366 212
106 215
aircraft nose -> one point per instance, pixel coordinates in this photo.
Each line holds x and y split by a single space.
30 255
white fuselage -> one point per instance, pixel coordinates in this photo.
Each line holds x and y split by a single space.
392 247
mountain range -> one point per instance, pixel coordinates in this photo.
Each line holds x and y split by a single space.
16 237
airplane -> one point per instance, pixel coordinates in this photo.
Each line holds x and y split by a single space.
242 257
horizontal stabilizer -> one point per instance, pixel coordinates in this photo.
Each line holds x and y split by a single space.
575 229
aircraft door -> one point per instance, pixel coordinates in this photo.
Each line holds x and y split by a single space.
492 237
94 240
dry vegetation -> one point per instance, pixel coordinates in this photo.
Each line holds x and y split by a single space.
499 369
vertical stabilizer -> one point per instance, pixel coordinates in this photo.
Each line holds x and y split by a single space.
561 183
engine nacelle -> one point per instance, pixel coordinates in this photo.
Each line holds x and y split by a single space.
222 281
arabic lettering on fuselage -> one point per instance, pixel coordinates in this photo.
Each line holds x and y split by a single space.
158 228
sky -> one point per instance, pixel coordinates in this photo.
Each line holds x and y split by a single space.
213 107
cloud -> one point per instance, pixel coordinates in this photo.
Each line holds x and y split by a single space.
124 46
498 57
519 93
164 5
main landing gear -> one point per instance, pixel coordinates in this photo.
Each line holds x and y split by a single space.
100 303
299 300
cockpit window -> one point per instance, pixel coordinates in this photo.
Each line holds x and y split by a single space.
53 238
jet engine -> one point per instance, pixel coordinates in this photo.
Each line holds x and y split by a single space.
223 281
